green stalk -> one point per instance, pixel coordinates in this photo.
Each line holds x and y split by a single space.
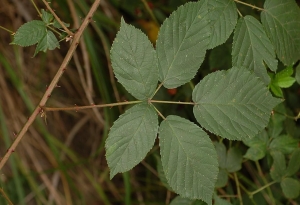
12 161
126 179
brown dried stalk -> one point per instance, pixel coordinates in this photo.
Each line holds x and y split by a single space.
53 83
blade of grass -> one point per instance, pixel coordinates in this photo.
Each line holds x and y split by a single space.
12 162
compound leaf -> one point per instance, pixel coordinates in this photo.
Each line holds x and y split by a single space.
30 33
48 42
234 104
251 48
223 18
130 138
182 42
189 158
281 20
134 61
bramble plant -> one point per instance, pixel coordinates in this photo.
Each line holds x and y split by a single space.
233 104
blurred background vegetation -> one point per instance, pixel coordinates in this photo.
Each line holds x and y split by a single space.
63 161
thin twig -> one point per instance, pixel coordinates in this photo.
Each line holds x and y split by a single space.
110 69
5 29
240 14
250 5
159 113
76 108
6 197
238 188
159 86
70 33
51 109
262 188
86 83
172 102
36 8
85 87
53 83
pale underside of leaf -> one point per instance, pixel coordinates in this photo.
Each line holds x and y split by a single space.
233 104
281 19
30 33
252 48
48 42
131 138
134 62
182 42
223 18
189 158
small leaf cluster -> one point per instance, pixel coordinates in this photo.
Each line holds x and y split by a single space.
234 104
38 32
276 143
282 79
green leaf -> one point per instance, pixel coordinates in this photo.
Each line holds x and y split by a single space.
281 20
48 42
297 75
131 138
252 48
134 62
234 160
294 163
222 178
284 143
56 24
287 72
283 78
30 33
290 187
223 17
184 201
46 17
234 104
182 42
278 168
189 158
222 154
276 90
258 146
286 82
